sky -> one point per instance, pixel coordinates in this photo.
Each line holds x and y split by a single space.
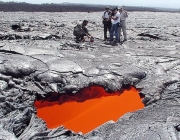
146 3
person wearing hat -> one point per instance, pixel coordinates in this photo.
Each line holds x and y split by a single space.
123 23
106 22
115 25
80 31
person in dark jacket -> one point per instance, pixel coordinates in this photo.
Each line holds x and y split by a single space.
106 16
80 31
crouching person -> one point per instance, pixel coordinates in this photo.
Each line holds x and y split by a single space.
80 31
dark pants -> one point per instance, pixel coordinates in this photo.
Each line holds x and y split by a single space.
79 35
107 27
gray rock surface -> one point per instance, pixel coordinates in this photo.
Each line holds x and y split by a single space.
42 56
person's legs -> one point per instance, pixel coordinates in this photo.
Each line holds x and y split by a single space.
79 37
82 37
109 28
117 32
112 31
124 30
124 33
120 29
105 31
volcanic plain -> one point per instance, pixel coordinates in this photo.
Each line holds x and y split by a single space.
39 56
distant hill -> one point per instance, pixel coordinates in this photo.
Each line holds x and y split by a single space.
69 7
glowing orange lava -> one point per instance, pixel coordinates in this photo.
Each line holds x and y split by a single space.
87 109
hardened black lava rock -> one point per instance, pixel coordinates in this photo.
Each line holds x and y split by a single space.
46 59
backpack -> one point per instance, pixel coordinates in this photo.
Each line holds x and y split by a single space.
76 30
105 22
109 13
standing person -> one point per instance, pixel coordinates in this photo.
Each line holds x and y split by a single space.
123 23
106 21
80 31
115 25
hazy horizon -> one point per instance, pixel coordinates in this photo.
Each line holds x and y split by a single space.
147 3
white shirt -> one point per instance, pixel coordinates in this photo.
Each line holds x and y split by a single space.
118 19
106 14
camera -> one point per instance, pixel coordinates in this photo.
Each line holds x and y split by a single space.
112 14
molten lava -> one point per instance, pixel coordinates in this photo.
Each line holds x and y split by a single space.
86 110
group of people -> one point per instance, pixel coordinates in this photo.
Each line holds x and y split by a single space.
114 21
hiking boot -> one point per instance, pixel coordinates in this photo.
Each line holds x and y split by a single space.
115 41
77 41
124 40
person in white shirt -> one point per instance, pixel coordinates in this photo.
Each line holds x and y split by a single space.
115 25
123 23
106 21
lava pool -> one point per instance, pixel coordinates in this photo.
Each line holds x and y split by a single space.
88 109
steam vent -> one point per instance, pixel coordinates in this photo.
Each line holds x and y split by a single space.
54 88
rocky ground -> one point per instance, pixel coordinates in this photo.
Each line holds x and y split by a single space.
38 55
